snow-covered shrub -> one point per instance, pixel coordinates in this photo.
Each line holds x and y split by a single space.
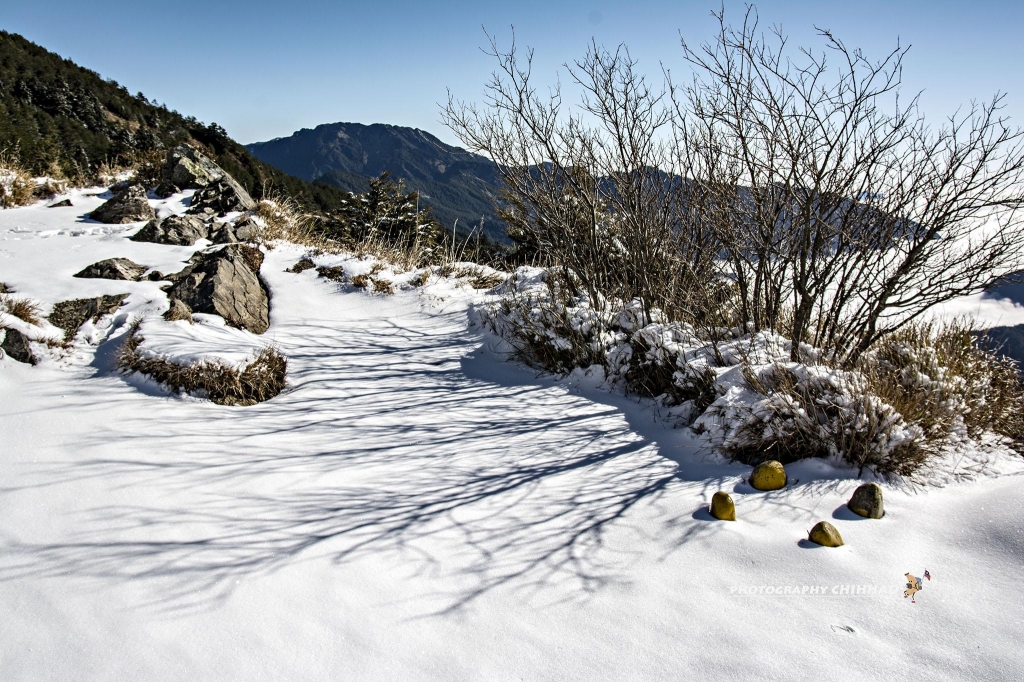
792 411
258 380
557 331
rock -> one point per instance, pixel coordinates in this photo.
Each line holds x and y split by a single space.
16 347
175 230
825 534
335 274
187 168
61 204
247 230
225 282
221 197
178 311
301 265
128 206
4 289
70 315
114 268
722 506
770 475
223 233
867 501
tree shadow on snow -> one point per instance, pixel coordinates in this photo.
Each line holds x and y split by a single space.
396 443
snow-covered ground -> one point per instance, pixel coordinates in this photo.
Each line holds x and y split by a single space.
413 507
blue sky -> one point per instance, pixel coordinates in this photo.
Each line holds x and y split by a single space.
264 70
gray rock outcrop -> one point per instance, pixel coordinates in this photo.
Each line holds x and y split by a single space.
114 268
226 282
70 315
187 168
175 230
220 197
127 206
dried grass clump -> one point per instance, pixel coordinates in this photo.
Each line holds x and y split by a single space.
947 378
360 281
17 188
282 220
301 265
478 277
260 380
22 308
335 274
383 286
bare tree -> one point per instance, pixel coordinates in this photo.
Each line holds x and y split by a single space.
592 188
796 193
842 214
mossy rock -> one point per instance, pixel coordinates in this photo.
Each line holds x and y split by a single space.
722 507
825 534
770 475
867 501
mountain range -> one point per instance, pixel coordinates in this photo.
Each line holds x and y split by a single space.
457 185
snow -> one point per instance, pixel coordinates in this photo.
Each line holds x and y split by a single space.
415 507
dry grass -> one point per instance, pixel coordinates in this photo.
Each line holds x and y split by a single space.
260 380
17 188
22 308
940 376
301 265
477 277
283 220
383 286
335 274
360 281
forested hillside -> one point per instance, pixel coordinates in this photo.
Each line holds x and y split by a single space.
59 118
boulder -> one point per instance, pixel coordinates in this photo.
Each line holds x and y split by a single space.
128 206
187 168
226 282
63 203
70 315
178 311
770 475
16 346
220 197
722 506
825 534
247 230
175 230
114 268
867 501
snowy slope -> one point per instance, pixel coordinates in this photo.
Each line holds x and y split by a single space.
412 507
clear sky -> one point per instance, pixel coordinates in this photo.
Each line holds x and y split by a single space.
264 70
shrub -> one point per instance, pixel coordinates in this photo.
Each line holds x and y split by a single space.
805 411
259 380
